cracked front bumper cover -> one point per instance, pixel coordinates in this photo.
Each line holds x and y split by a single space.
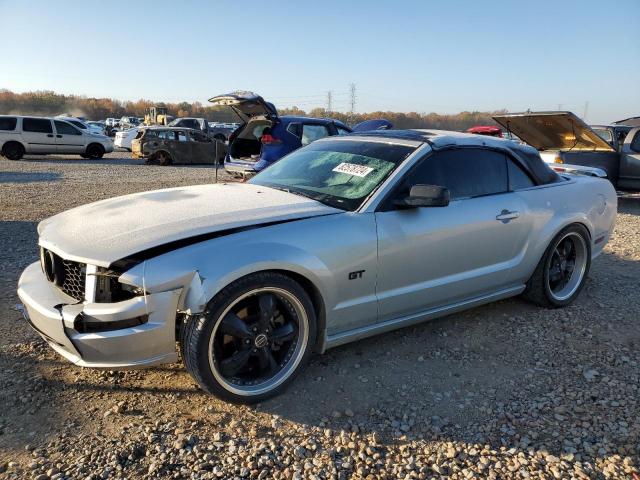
53 314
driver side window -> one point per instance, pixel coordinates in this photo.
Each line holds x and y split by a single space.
466 172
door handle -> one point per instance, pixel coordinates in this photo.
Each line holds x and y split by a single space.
59 136
50 135
506 216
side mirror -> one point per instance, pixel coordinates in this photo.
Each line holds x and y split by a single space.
425 196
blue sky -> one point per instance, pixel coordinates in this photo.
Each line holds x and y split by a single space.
402 55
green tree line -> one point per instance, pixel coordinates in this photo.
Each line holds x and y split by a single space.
48 103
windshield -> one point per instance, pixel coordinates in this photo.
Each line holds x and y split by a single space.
340 174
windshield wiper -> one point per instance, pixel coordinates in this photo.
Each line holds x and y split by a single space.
323 198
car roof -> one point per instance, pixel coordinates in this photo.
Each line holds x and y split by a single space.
614 126
528 156
294 118
442 138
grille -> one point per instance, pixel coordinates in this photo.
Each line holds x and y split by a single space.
74 279
67 275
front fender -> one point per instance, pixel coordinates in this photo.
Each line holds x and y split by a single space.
202 270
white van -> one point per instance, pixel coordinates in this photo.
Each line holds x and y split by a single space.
40 135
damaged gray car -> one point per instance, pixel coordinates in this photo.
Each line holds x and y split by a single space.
176 145
348 237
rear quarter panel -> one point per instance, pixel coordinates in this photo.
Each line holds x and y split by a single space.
273 153
589 201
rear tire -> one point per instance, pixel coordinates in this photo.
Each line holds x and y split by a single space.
95 151
563 269
13 150
253 338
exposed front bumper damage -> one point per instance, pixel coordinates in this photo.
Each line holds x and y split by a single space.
54 315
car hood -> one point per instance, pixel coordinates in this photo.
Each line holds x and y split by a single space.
104 232
553 131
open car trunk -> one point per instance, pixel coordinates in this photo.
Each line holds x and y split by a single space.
247 146
556 131
256 114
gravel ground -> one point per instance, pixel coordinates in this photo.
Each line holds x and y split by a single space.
507 390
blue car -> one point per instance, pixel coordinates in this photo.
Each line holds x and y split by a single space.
264 137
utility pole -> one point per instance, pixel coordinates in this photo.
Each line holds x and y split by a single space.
329 98
352 89
586 109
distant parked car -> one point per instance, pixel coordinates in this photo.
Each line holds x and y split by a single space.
490 131
128 122
97 126
124 138
172 145
82 125
563 138
199 124
613 134
264 137
222 131
40 135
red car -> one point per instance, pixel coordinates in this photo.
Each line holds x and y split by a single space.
486 130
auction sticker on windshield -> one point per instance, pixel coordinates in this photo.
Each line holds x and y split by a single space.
353 169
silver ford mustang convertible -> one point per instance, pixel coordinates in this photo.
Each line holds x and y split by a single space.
348 237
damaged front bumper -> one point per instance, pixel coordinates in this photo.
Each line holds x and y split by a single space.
57 318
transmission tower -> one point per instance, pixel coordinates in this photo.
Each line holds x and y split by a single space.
352 90
329 98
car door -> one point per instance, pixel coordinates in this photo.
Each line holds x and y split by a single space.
439 256
182 148
203 148
38 135
69 139
629 176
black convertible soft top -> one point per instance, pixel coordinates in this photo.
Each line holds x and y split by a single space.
528 157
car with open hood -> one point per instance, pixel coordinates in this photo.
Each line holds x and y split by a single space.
345 238
264 137
563 138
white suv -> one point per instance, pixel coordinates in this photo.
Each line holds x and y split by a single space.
25 135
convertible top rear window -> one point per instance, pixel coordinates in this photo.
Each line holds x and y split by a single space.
339 173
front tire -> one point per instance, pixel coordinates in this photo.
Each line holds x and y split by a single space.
563 269
13 150
253 338
163 158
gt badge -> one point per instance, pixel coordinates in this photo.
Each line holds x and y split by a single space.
357 274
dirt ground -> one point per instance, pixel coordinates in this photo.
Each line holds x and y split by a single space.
507 390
